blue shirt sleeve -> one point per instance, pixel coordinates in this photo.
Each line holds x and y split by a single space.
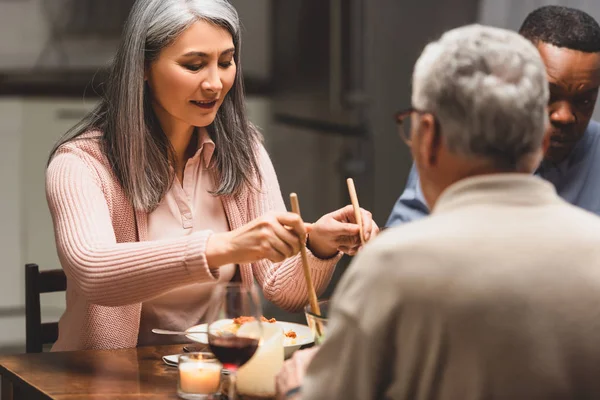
411 205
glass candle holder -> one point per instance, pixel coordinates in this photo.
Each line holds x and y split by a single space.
256 378
199 376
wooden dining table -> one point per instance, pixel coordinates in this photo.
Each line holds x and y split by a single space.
126 374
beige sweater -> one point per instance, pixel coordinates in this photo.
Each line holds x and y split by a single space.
495 296
111 268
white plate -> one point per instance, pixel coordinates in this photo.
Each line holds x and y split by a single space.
172 360
303 334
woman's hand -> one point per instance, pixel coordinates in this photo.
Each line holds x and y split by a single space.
274 236
338 231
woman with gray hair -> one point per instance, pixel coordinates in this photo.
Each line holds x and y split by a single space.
165 187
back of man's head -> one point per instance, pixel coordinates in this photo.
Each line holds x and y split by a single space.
562 27
488 90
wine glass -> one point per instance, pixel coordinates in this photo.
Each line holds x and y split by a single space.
234 344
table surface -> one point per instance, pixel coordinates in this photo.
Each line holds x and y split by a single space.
126 374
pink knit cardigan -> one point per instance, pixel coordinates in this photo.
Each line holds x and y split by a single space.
111 268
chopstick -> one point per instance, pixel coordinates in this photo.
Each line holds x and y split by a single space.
312 294
357 213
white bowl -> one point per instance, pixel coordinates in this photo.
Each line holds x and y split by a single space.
303 334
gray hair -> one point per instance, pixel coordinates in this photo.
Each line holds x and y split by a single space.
138 150
487 87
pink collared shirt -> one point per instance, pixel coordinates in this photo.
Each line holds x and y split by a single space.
186 208
112 268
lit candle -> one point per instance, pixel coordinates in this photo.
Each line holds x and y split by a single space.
257 376
198 375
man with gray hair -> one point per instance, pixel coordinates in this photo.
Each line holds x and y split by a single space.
496 295
568 40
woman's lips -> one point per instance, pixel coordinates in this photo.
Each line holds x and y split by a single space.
204 104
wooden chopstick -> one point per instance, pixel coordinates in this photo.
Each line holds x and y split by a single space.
312 295
357 213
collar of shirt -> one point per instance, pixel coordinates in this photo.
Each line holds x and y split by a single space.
206 148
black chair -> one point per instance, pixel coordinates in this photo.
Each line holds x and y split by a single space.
36 283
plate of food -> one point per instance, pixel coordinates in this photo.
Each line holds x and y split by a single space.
294 335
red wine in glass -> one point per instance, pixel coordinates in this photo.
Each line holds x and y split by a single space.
233 351
234 345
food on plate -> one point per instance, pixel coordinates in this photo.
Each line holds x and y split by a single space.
289 336
242 320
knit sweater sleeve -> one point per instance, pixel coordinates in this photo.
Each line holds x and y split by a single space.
103 271
284 283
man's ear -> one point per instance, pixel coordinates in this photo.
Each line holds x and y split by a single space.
429 140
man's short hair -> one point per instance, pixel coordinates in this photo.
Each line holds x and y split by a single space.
562 27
